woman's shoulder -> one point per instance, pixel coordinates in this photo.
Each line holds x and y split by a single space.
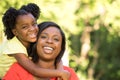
18 72
72 72
16 67
68 68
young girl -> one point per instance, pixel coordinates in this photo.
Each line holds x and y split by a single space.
21 30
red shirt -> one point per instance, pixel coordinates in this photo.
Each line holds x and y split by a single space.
17 72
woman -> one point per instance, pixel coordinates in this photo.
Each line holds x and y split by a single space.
46 53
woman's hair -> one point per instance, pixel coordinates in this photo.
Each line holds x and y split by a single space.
33 9
9 20
43 26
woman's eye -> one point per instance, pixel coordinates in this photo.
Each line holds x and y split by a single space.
43 37
56 39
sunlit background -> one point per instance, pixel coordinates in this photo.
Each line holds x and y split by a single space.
92 28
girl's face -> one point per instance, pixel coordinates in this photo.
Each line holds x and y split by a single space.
49 44
26 29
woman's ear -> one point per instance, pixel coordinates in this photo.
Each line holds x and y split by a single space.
14 32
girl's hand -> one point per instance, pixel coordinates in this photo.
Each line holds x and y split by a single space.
65 74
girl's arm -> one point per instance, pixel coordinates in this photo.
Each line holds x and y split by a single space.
23 60
59 67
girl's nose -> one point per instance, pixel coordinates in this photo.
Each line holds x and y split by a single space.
32 28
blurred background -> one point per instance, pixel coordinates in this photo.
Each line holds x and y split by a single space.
92 28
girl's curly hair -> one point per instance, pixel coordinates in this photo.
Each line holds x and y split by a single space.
33 9
9 20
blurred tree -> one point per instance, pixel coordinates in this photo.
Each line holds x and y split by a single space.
102 17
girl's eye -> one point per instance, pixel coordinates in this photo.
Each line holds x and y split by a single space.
24 27
35 24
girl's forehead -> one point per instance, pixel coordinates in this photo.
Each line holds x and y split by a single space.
25 15
25 18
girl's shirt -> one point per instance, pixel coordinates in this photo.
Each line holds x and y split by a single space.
12 46
17 72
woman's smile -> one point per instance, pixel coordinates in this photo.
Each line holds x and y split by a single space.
48 49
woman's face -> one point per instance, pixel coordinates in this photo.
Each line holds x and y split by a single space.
26 28
49 43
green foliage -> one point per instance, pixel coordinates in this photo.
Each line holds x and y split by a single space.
103 16
109 58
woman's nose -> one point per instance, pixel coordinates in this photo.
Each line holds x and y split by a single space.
49 40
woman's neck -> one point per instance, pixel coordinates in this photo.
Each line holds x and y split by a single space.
46 64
